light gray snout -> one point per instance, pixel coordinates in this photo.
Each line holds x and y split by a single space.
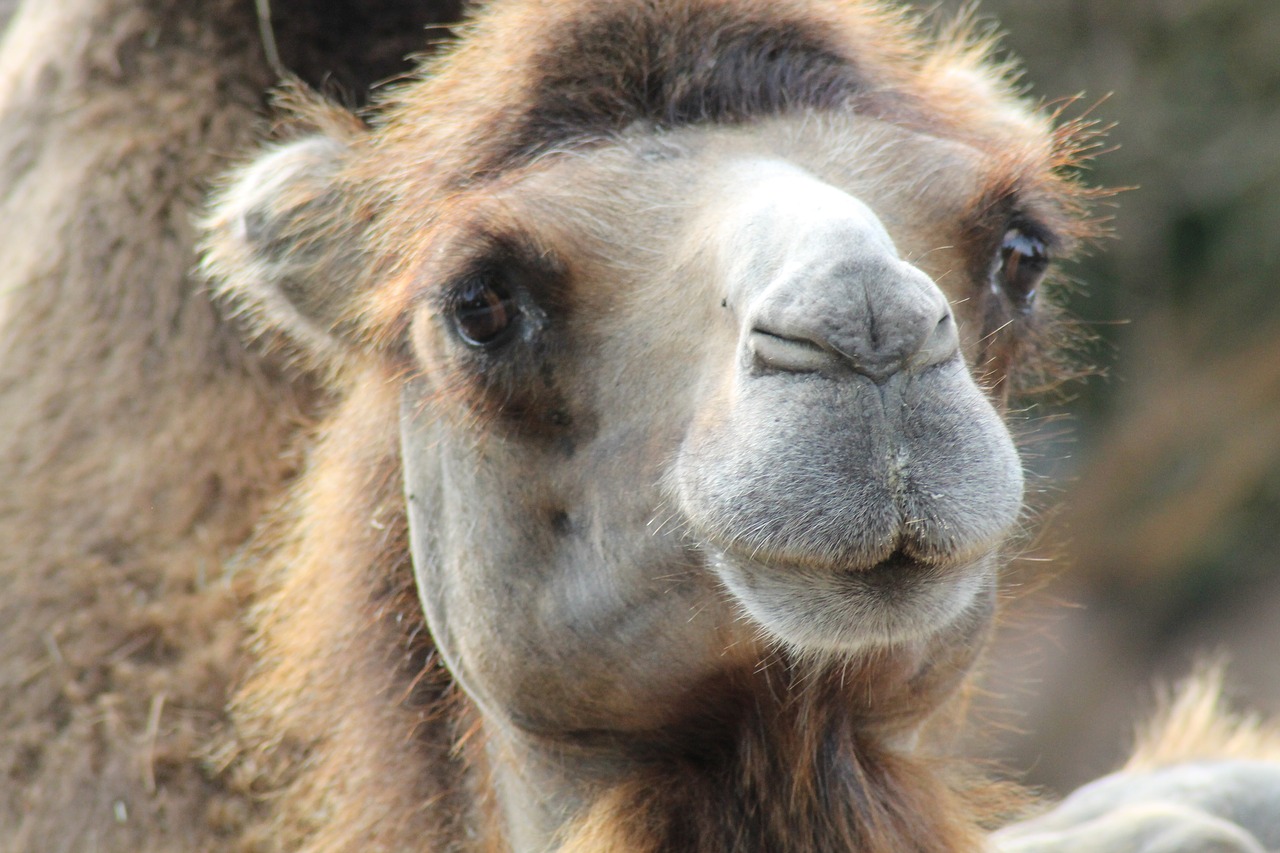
822 288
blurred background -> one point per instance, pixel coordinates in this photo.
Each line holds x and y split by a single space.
1164 546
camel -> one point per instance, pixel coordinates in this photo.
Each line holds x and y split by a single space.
618 458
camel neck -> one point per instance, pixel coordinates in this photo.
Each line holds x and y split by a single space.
766 769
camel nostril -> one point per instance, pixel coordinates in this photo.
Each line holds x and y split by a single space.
793 355
941 344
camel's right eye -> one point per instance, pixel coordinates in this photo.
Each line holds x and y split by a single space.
483 311
1021 265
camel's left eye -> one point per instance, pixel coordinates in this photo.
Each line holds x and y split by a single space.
1021 265
484 311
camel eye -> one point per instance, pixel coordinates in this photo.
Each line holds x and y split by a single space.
483 311
1022 264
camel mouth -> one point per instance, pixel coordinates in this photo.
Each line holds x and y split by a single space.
903 566
890 569
847 610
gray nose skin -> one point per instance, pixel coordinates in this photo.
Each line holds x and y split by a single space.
854 467
823 289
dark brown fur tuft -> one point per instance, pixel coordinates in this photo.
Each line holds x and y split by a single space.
791 767
667 66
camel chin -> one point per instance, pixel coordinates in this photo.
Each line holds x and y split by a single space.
897 604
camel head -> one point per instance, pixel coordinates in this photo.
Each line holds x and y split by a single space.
700 319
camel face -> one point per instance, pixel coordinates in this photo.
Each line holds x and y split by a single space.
697 318
718 410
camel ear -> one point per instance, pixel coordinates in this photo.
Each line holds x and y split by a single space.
281 249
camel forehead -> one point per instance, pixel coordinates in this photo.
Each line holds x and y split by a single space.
592 68
646 202
538 76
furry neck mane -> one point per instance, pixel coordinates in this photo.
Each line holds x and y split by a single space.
786 766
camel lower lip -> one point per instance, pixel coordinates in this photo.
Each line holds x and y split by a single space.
814 608
897 563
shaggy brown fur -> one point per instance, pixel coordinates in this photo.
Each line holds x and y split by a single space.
139 441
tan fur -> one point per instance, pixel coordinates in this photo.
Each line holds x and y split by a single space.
1201 778
138 441
1194 722
336 723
